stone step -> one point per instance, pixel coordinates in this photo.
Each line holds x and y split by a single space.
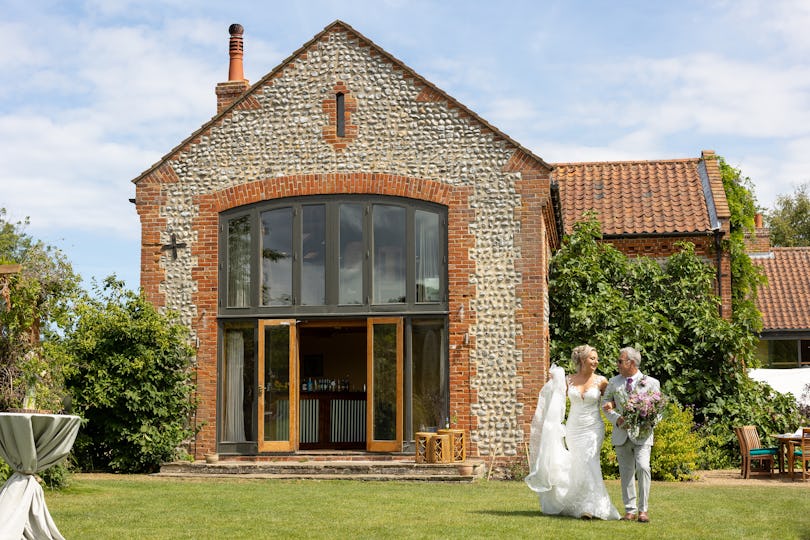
326 469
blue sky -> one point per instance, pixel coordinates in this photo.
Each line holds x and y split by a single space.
93 92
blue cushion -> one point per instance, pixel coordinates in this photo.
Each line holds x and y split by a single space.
763 452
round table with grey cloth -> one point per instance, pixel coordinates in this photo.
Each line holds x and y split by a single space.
31 443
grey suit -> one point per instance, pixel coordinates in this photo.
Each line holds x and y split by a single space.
633 455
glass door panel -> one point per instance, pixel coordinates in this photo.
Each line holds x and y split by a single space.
278 385
384 412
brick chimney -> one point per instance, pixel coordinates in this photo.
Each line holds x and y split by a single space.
758 243
228 92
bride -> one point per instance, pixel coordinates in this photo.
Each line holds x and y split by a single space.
567 474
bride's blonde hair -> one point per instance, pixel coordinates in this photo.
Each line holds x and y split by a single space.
579 354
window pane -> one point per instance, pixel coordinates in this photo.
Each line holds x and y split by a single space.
238 385
313 256
783 352
277 257
277 383
389 254
351 254
429 376
385 382
428 256
239 262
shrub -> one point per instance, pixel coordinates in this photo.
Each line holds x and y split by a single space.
677 447
56 477
607 455
33 309
713 451
131 381
5 471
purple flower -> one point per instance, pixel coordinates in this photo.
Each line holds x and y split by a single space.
642 410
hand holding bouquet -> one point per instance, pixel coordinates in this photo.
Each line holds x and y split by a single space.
643 409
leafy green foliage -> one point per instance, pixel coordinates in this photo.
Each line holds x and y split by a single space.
131 382
789 221
670 313
745 277
55 477
5 471
677 447
40 298
607 454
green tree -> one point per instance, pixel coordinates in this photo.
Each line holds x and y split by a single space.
131 381
670 313
789 221
40 299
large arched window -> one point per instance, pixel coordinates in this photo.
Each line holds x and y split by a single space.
333 255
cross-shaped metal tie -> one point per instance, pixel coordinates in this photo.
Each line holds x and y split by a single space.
173 245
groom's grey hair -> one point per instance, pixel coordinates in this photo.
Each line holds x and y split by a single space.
632 355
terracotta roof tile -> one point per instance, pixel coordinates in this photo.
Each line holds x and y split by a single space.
785 301
635 197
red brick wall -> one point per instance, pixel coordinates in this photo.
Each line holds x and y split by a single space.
205 249
534 188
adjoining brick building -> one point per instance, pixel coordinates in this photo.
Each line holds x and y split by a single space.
360 257
784 301
647 207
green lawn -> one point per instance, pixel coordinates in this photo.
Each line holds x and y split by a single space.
144 507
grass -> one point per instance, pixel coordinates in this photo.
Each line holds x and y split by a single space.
143 507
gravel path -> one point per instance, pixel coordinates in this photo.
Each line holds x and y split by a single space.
731 477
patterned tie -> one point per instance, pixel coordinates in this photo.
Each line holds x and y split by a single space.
629 384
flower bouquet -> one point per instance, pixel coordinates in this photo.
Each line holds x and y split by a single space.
642 411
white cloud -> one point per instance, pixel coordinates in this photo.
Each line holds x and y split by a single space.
780 23
708 94
67 176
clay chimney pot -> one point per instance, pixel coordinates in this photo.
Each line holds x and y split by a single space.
236 70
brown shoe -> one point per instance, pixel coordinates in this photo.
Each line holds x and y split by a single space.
643 518
629 516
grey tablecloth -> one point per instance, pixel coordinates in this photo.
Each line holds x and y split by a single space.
31 443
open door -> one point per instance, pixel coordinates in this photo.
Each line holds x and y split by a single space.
384 410
278 386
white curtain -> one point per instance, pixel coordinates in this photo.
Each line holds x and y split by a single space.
427 274
238 263
234 423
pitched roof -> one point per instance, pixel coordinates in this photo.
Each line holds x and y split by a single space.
644 197
340 26
785 301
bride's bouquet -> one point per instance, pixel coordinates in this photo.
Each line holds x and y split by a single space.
642 411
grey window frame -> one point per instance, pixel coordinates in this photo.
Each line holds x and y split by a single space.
331 308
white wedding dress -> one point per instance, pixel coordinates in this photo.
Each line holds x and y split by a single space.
565 469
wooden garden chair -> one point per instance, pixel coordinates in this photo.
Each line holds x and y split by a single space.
752 451
800 452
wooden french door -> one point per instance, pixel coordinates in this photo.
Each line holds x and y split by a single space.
384 405
278 386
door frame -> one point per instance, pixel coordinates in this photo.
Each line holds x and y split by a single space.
291 444
394 445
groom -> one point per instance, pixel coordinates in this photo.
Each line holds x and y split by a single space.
633 454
